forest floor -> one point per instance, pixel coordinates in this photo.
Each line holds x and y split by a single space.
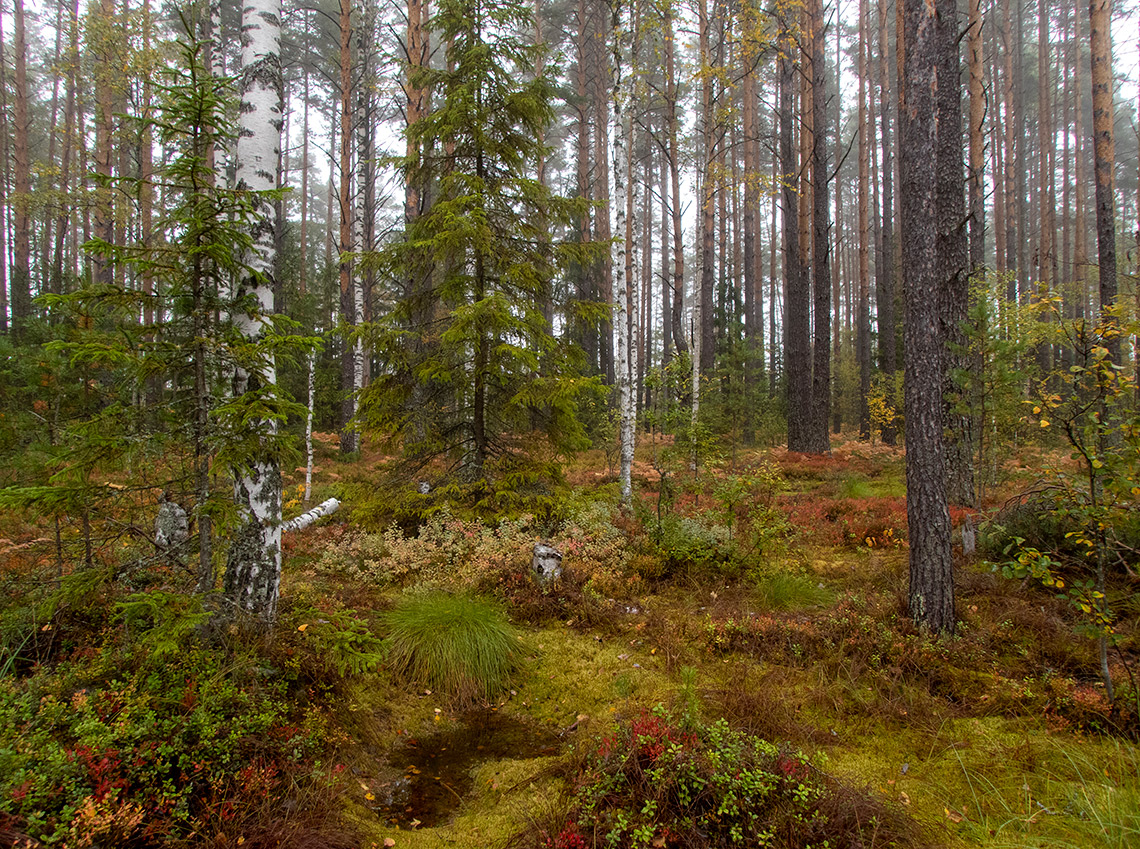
1001 736
769 591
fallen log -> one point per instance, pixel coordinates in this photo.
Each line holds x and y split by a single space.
299 523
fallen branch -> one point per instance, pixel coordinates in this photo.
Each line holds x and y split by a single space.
299 523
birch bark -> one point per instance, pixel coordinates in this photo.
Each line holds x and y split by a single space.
253 570
621 288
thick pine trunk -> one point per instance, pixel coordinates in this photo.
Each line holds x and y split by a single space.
931 595
953 251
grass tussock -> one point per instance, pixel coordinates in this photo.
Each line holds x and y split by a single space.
456 645
791 591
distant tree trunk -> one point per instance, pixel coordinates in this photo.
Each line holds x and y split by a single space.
863 320
753 334
666 270
1045 252
601 79
348 317
1104 155
1012 215
1080 201
977 188
311 362
585 332
65 213
821 248
1021 168
797 350
708 196
22 196
931 595
837 266
253 572
5 192
303 261
146 185
997 137
365 201
677 318
773 218
104 129
885 268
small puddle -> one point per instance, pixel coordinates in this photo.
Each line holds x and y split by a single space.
437 768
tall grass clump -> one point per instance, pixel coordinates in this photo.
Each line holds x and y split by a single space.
790 591
456 645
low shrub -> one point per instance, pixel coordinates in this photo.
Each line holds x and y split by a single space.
445 551
660 780
456 645
874 522
1034 519
695 547
103 751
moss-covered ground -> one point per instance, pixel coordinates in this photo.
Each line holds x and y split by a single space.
769 592
997 737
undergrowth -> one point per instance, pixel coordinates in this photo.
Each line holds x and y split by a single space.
665 780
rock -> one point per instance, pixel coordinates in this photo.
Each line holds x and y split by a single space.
969 536
171 527
546 563
423 487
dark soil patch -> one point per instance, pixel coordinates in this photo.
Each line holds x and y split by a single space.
437 770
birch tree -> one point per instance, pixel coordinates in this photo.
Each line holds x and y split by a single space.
620 252
253 572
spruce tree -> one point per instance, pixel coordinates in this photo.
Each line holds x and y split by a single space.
469 359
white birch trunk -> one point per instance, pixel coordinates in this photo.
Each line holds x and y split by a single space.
695 337
218 70
253 570
621 287
299 523
309 427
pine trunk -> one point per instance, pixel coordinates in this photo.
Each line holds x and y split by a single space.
797 350
1104 155
821 247
953 253
931 594
22 196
